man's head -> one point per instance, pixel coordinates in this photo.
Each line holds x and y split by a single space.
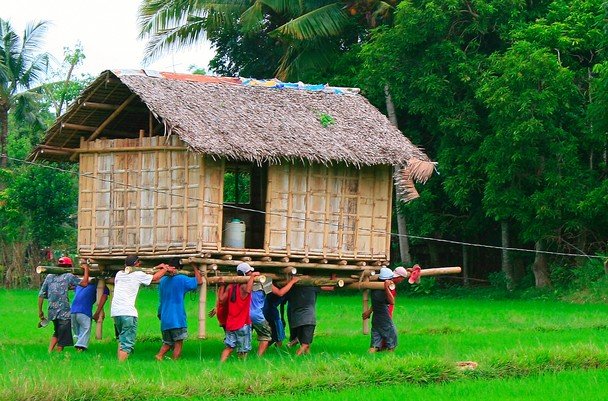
243 268
132 260
64 261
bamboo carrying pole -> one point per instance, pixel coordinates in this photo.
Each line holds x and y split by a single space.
437 271
369 285
202 304
152 270
101 284
315 282
235 279
61 270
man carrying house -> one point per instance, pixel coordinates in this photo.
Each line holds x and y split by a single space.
126 288
82 312
172 312
261 326
55 289
237 301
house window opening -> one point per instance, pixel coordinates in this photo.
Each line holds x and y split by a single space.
245 186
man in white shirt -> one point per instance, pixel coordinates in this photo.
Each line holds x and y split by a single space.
126 287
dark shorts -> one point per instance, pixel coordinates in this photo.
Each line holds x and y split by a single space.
304 333
63 332
384 337
263 331
171 336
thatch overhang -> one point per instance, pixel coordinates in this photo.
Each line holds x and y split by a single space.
223 118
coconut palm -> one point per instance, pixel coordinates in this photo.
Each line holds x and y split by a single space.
304 28
21 64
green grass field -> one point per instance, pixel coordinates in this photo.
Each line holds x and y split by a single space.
526 350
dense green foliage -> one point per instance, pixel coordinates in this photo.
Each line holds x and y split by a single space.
37 203
501 93
509 339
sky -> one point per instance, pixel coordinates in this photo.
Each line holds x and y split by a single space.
106 29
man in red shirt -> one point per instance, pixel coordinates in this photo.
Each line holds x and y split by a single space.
237 301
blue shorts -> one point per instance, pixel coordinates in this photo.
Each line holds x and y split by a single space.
239 339
171 336
126 328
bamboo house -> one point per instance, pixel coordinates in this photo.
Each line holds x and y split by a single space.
221 170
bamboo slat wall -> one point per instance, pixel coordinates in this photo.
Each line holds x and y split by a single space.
146 195
152 196
334 211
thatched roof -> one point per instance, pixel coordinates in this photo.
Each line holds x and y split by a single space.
221 117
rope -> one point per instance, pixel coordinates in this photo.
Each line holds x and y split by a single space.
304 219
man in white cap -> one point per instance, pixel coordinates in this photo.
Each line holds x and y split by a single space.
237 301
384 332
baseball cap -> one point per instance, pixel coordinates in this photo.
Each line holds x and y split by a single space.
131 260
385 274
400 271
64 261
244 268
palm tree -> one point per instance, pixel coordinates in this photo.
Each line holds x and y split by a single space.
21 64
305 28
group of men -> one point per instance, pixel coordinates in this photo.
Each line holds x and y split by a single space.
240 309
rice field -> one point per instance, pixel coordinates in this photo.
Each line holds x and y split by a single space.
525 350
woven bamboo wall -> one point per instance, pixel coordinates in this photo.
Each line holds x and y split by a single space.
118 212
335 211
152 196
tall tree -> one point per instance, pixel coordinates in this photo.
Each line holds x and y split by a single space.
21 65
309 34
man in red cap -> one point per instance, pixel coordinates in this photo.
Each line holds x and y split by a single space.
55 289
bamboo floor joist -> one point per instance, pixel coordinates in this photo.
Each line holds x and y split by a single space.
236 254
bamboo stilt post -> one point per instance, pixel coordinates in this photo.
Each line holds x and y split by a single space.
101 284
365 307
365 300
202 304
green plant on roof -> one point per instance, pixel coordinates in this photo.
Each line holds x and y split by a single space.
326 120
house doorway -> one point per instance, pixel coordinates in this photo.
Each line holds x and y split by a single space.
245 186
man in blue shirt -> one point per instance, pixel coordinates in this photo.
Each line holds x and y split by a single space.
172 312
82 312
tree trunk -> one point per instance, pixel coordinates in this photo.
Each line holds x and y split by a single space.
404 244
434 254
540 267
465 265
3 136
506 262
